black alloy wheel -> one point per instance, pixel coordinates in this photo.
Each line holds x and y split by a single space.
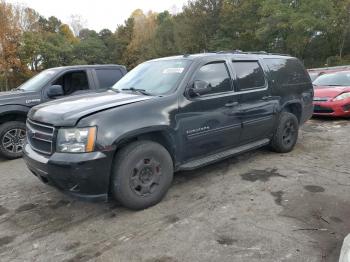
289 133
286 134
142 174
145 177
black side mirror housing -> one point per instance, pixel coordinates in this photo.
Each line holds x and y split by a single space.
200 88
54 91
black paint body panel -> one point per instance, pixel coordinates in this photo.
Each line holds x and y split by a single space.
191 128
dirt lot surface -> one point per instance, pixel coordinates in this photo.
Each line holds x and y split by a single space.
260 206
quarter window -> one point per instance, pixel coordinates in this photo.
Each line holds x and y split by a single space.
287 71
216 74
249 75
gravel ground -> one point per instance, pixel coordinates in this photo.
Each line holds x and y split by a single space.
260 206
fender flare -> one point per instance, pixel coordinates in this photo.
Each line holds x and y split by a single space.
143 131
169 136
13 109
293 101
299 114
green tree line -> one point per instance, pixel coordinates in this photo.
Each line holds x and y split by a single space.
316 31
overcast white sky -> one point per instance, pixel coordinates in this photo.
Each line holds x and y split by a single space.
98 14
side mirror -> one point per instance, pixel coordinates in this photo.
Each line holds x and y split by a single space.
200 88
54 91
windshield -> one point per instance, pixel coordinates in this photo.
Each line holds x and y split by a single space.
313 76
155 77
334 79
37 82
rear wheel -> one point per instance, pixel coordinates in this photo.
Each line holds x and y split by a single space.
143 172
12 135
286 134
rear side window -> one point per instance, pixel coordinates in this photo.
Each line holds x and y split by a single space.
216 74
108 77
287 71
249 75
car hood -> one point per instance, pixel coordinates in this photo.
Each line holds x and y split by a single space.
19 97
68 111
330 91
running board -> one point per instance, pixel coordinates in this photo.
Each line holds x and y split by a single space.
222 155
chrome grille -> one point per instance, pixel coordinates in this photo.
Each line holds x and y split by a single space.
40 137
321 99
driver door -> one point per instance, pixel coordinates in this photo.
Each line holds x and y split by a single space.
209 123
73 83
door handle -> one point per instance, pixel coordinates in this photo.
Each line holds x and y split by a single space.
265 98
231 104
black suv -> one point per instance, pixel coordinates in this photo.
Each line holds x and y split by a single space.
169 114
50 84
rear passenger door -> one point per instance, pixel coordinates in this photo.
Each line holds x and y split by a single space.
257 108
107 77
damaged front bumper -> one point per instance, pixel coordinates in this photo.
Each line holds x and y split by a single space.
84 175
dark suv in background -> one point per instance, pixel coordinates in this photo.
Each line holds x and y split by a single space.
48 85
169 114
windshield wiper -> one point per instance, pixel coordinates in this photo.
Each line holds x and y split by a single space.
142 91
114 90
17 89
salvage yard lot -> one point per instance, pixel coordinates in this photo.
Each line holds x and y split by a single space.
260 206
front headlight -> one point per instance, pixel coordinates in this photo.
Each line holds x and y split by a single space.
342 96
76 140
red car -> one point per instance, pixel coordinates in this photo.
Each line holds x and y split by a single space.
332 94
316 72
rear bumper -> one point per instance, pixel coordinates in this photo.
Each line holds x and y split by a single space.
85 176
307 113
336 108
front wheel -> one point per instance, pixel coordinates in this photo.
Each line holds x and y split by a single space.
12 135
286 134
143 172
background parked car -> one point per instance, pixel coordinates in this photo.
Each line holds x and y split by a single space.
316 72
50 84
332 94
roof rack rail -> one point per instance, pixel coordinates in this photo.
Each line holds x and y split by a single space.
279 54
257 52
230 52
249 52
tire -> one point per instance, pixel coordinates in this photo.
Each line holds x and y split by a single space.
12 136
286 134
142 174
